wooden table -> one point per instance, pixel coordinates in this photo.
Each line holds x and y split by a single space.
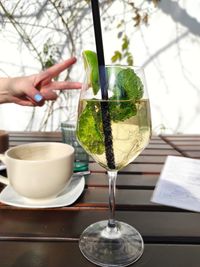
49 237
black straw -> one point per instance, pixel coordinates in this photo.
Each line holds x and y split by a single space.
103 84
99 48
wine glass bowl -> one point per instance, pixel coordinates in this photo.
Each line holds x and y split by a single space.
114 131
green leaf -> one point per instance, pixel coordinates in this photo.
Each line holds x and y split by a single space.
120 24
125 43
129 59
90 131
130 83
121 111
117 56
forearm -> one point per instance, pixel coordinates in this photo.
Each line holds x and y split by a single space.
5 84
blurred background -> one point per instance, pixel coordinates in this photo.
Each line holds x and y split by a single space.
163 36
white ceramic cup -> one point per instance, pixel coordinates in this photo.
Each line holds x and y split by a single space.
38 171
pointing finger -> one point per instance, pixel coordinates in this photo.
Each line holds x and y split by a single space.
54 71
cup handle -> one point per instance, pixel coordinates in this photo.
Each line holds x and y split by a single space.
2 158
3 179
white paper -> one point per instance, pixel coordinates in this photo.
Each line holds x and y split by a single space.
179 184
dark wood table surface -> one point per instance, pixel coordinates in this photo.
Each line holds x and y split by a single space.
49 237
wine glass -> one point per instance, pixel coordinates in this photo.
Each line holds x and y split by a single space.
114 132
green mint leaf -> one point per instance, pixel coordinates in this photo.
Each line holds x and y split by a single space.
89 131
121 111
130 83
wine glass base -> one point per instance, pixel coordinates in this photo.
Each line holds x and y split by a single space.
113 247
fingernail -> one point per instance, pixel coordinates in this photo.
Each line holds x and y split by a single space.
38 97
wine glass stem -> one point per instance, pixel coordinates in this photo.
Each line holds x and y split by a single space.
112 175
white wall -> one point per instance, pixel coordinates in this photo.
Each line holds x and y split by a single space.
169 49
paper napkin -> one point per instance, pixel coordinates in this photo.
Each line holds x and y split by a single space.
179 184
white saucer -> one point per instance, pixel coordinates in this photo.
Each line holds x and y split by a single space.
68 196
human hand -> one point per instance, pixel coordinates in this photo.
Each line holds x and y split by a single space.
33 90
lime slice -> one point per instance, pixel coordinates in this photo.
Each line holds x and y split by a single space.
91 65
